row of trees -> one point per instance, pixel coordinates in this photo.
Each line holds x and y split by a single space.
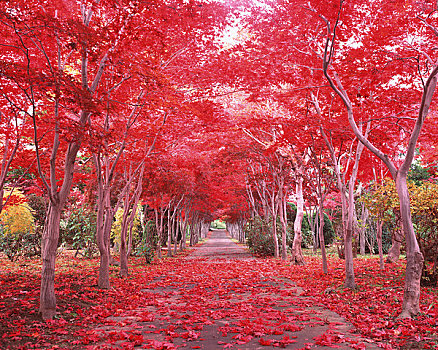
197 110
96 97
343 79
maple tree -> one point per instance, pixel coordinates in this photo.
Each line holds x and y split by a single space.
399 173
371 70
60 54
345 187
190 128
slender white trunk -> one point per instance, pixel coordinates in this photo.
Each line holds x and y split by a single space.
297 254
321 237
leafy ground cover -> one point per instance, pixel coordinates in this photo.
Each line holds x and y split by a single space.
374 306
193 294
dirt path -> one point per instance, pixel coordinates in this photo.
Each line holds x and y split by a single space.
220 297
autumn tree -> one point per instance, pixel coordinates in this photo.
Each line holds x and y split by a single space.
373 70
413 59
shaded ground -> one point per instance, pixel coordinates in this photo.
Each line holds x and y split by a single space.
218 297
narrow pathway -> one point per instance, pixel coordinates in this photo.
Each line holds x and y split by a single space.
220 297
220 246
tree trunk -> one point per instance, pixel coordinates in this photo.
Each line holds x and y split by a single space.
194 238
321 238
297 255
348 241
316 238
274 210
241 231
313 222
159 226
192 234
129 211
50 237
379 243
48 253
349 268
275 238
103 233
123 258
103 281
123 248
362 230
131 227
283 220
349 229
175 235
184 233
396 241
169 234
414 257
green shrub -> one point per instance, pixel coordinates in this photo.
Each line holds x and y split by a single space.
146 246
145 250
78 231
259 238
19 244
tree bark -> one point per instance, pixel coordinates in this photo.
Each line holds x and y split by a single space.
103 232
348 236
312 220
175 235
379 243
321 238
414 257
362 230
50 237
394 251
275 238
184 230
169 234
297 254
49 245
274 210
159 225
241 224
123 259
349 268
133 189
283 220
396 239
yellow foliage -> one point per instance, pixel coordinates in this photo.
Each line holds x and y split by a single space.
117 225
17 218
383 199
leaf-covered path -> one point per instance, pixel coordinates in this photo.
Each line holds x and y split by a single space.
219 296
